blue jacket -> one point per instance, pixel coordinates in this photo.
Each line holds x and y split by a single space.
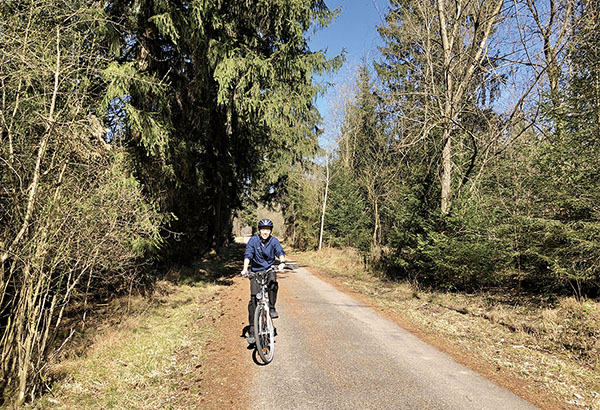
262 256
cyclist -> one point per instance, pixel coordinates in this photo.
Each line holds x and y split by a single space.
260 254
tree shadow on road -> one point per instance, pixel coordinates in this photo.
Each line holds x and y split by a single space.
215 268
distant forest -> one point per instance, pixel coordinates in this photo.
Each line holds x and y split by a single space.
465 157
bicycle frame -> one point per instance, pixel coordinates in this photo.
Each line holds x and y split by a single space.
263 324
262 277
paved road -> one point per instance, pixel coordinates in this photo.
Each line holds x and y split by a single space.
332 352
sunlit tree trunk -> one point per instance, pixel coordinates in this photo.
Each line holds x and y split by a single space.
464 48
324 200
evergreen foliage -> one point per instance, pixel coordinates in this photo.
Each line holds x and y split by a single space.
131 132
521 202
233 110
347 222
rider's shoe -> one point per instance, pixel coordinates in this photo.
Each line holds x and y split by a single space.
251 339
274 314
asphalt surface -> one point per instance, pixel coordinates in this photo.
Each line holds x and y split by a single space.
333 352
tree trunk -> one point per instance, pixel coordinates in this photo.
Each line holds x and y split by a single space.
446 177
453 92
324 200
446 172
376 224
26 342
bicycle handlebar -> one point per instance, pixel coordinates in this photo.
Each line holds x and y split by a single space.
251 275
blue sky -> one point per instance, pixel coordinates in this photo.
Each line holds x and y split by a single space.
354 30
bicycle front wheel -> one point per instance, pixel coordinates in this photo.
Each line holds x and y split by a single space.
265 337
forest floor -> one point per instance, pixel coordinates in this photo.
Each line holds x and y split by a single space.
160 352
181 348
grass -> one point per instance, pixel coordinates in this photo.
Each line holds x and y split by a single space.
137 364
554 346
148 353
143 353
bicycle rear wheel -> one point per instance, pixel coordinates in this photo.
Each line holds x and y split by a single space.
264 332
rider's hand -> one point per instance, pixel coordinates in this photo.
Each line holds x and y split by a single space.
281 266
244 273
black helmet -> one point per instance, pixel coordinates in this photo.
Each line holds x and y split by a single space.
265 223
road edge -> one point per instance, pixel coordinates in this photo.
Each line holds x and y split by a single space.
535 394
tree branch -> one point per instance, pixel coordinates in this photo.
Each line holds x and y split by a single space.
40 156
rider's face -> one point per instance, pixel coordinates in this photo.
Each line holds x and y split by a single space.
264 233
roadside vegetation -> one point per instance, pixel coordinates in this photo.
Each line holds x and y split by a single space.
465 158
553 344
145 352
137 356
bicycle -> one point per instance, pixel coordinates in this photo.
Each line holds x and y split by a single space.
264 330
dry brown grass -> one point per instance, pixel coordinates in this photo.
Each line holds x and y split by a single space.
138 359
145 353
555 347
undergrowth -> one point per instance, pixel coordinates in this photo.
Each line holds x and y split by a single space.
143 352
136 360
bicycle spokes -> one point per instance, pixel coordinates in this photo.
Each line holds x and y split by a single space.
265 334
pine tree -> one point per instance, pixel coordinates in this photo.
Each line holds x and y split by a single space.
347 221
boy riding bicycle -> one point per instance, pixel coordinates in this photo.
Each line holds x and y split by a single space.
260 254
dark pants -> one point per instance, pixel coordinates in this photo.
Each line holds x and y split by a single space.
272 287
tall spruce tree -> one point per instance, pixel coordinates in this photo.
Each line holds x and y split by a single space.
236 107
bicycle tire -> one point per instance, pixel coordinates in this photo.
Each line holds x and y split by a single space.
264 333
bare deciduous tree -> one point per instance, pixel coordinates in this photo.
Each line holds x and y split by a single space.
73 220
